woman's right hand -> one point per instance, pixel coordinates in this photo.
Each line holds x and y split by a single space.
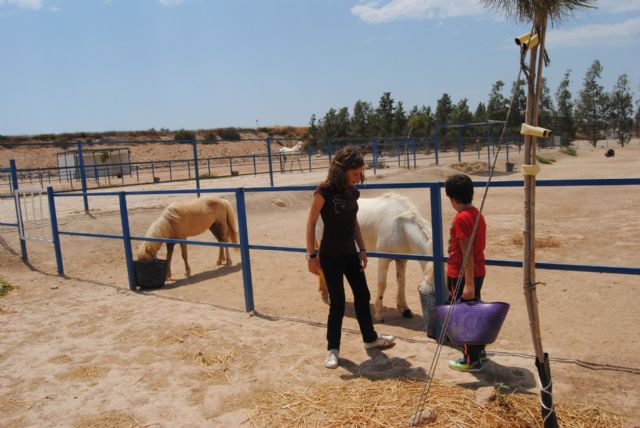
314 266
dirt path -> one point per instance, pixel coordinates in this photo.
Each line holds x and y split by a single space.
84 349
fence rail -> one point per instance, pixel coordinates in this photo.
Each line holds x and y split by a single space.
434 194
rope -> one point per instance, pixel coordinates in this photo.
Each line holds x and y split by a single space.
432 368
547 390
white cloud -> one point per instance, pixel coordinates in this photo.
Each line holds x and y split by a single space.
374 11
170 2
618 6
26 4
619 34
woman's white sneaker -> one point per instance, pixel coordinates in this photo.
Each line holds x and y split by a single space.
383 341
331 361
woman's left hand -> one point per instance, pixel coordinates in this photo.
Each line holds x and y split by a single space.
363 260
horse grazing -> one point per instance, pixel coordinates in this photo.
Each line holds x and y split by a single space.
391 224
184 219
290 151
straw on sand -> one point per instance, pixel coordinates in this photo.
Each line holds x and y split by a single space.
391 402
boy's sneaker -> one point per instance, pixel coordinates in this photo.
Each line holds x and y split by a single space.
483 356
331 360
383 341
461 365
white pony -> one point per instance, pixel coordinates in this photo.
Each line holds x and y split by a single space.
184 219
290 151
391 224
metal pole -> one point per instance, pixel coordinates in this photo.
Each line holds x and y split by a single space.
255 171
55 235
415 159
436 143
244 251
195 166
438 245
269 160
95 168
126 235
14 184
374 150
83 177
438 239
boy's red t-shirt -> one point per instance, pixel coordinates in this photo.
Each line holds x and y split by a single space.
462 226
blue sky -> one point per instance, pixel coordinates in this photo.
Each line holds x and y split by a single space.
100 65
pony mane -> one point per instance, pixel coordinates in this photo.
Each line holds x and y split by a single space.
412 213
161 227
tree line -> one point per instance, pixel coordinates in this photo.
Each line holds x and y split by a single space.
592 115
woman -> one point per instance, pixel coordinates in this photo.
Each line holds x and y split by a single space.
336 200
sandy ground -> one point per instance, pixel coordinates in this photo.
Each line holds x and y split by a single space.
83 350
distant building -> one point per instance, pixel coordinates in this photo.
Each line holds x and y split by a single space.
97 162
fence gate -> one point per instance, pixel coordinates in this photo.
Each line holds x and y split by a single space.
32 211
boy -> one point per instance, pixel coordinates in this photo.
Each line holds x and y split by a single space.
459 190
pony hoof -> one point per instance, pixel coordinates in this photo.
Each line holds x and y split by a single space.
407 313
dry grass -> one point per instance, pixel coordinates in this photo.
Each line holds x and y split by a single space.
470 167
391 402
113 419
541 241
216 366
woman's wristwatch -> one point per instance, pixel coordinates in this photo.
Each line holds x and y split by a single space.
312 255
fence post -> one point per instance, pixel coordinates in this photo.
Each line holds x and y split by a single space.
374 150
126 234
96 174
255 171
196 170
55 236
269 160
244 251
438 239
83 177
458 143
14 187
436 143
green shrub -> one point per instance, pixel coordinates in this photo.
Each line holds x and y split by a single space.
210 137
569 151
6 287
546 161
229 134
207 176
184 135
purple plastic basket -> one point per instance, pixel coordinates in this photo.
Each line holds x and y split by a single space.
473 323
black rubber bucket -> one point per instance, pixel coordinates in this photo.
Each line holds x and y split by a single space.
150 273
428 302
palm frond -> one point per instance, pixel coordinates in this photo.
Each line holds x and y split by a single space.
530 10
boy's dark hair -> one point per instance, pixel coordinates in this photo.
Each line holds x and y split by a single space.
460 188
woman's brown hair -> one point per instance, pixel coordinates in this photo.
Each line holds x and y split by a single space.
347 158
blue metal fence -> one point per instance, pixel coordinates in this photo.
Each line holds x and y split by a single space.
434 195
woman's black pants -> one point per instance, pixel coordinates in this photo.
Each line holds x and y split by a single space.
335 268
